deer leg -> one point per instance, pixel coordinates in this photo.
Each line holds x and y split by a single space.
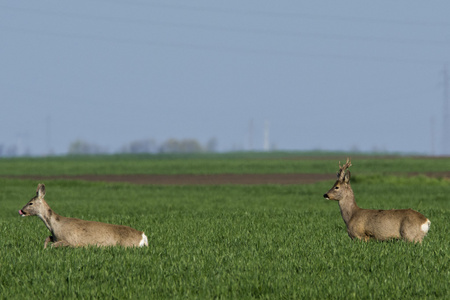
412 235
363 238
60 244
418 238
360 236
47 240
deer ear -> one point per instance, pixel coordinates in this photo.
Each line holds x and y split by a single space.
40 192
347 177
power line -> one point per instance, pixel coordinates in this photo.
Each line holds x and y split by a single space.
295 15
240 30
225 49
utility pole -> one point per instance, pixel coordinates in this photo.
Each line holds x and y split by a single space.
446 115
266 135
48 135
250 136
433 136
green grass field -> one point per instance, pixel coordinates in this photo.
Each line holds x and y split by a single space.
253 163
224 241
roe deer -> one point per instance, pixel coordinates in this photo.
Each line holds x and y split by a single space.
78 233
365 224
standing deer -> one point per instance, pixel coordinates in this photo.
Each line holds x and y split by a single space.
79 233
365 224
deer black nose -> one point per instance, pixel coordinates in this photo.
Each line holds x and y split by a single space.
325 195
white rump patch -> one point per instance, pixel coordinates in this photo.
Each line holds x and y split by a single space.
144 241
425 226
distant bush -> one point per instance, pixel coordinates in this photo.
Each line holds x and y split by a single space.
80 147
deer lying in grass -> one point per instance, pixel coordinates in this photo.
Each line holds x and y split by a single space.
365 224
78 233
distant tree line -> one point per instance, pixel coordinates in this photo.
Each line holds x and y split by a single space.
80 147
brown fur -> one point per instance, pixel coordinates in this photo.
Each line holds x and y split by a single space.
78 233
366 224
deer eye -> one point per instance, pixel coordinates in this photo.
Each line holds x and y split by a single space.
31 203
336 187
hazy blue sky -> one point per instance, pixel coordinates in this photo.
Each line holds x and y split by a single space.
331 75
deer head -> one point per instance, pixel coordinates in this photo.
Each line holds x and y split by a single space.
341 188
35 206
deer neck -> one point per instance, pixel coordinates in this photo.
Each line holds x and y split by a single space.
49 217
348 206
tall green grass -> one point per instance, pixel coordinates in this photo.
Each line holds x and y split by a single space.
230 242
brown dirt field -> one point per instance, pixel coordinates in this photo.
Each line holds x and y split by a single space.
186 179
